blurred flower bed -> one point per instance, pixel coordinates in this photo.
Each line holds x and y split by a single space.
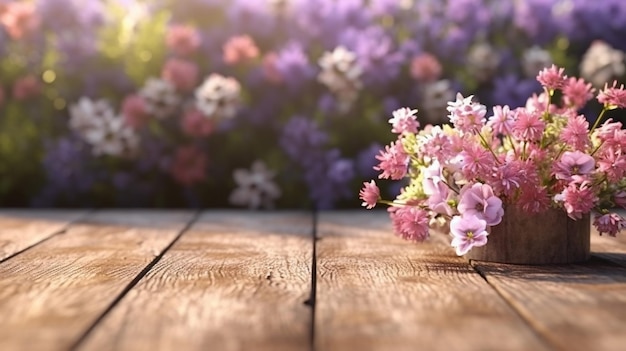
265 103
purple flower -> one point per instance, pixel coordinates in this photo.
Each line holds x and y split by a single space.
293 65
301 138
512 91
439 200
467 232
376 53
478 200
573 163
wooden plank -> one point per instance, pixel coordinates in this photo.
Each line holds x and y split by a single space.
21 229
378 292
51 294
235 281
574 307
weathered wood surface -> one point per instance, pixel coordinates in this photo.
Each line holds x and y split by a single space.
52 293
376 292
235 281
20 230
238 280
574 307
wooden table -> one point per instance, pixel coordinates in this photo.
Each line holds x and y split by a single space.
238 280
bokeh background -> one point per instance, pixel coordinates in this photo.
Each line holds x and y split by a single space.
260 103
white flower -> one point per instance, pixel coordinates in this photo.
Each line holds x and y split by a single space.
534 60
341 74
601 63
340 70
87 114
483 61
113 138
255 187
160 97
98 125
218 97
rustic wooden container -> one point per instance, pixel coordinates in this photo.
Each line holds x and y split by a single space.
549 237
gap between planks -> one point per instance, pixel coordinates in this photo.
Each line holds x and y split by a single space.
133 283
235 280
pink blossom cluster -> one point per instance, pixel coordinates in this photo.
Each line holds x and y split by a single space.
545 154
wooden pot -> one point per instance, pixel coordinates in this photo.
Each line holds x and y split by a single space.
550 237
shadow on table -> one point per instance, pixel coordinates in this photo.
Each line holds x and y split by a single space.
602 268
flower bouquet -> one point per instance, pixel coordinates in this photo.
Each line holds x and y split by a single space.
466 176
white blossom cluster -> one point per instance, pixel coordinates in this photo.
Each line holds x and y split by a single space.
98 125
341 74
160 97
218 97
255 187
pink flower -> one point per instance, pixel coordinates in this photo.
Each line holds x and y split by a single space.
195 124
573 163
439 201
533 198
134 111
238 49
409 222
613 97
189 165
476 161
538 103
552 78
437 145
404 121
466 115
26 87
467 232
577 92
611 134
507 177
578 198
528 126
270 70
369 194
431 176
502 120
612 162
181 73
182 40
20 19
393 161
479 200
576 133
610 223
425 68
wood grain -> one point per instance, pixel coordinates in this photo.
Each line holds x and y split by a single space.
575 307
235 281
50 294
21 229
378 292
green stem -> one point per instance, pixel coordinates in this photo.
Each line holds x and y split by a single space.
487 146
597 148
597 120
